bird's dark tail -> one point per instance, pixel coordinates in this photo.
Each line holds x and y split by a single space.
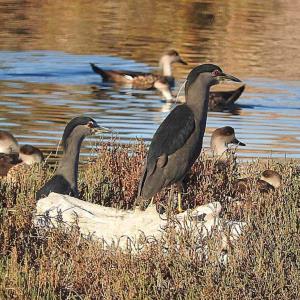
140 201
235 95
101 72
142 181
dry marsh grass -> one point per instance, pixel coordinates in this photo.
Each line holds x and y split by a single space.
60 264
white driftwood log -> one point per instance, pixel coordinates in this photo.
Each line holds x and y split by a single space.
119 226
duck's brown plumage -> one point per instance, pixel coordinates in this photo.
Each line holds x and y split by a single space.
270 180
28 155
143 80
7 161
243 186
136 79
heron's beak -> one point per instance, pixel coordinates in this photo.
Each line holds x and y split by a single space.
180 60
237 142
100 129
227 77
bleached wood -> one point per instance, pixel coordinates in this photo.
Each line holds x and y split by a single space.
118 226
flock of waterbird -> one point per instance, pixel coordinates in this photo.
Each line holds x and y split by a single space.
174 148
218 100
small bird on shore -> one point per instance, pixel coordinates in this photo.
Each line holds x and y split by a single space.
221 138
222 158
8 143
178 140
65 178
241 202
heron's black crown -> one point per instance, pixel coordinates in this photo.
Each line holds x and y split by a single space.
82 120
205 68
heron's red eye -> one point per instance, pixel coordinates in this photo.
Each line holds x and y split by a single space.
216 73
90 125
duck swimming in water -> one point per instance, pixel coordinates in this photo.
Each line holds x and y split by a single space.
141 80
224 100
218 100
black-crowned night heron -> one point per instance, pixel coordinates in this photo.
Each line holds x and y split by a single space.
178 140
64 180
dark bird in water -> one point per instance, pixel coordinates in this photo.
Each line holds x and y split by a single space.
220 100
141 79
64 180
12 155
224 100
178 140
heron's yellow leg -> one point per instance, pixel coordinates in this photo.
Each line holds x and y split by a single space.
179 208
151 202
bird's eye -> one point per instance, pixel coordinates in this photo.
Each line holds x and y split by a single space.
216 73
90 125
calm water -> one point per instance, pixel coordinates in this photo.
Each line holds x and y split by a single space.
46 48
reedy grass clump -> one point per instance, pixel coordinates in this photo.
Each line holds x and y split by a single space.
60 264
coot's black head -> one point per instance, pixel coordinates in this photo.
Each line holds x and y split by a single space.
84 126
210 75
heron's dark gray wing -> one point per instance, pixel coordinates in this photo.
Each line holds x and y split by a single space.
171 135
57 184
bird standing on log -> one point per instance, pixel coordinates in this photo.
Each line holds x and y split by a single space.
178 140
